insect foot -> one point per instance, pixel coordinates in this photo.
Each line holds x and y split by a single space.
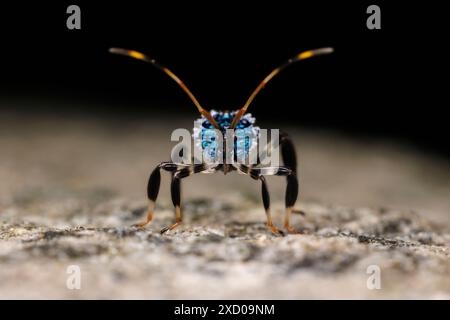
276 231
292 230
168 228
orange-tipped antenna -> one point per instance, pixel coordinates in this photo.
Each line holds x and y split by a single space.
301 56
140 56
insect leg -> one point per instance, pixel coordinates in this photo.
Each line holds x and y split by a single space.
153 185
291 189
290 160
258 174
266 202
291 197
175 189
288 153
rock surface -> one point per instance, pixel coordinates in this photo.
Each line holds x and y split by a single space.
70 191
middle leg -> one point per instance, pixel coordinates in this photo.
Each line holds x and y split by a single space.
291 189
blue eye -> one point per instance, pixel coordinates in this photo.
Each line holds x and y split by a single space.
243 123
207 125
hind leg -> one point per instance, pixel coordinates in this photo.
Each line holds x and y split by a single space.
153 185
291 197
266 202
175 190
289 157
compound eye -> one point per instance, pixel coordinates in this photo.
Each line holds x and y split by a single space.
207 125
244 123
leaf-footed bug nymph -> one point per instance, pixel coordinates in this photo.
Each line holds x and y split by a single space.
241 123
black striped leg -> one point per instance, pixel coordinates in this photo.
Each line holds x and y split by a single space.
289 158
288 154
153 189
266 202
291 188
175 189
258 174
291 197
153 185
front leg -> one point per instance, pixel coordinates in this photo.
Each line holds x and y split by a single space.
175 189
154 183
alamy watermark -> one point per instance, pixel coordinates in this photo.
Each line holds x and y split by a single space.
231 146
73 281
374 20
74 19
374 280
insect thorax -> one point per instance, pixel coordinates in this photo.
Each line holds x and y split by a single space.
245 137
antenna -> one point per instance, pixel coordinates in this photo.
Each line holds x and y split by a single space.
140 56
301 56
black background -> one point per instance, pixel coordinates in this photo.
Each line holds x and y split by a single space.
380 83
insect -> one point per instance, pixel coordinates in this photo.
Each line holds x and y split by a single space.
222 120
